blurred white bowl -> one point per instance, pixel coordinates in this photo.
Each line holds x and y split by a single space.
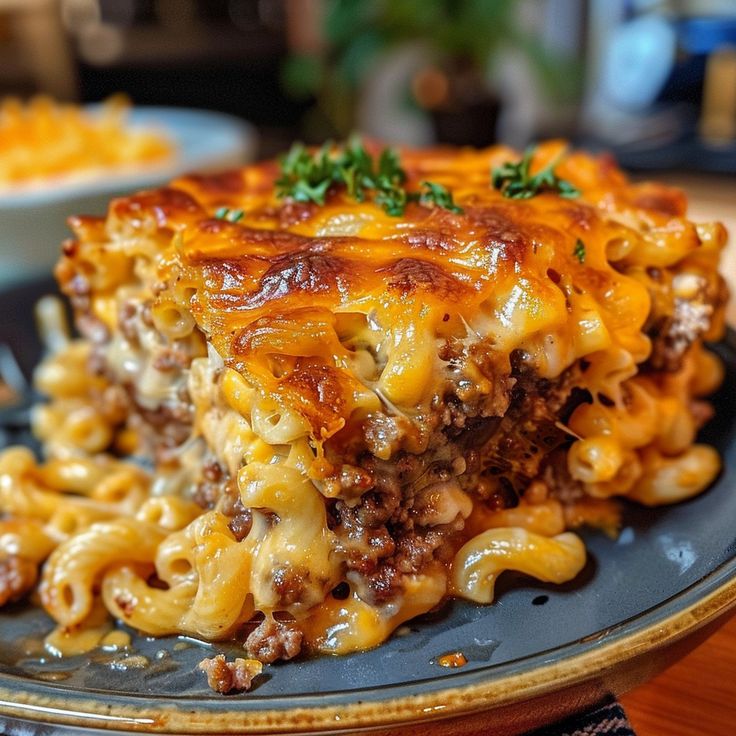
33 221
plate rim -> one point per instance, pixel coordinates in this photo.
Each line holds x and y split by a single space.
706 600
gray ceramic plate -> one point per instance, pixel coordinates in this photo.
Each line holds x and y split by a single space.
537 653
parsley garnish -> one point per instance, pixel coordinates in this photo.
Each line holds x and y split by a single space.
439 195
225 213
579 250
513 180
393 200
306 177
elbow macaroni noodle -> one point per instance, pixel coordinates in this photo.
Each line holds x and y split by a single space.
306 383
480 561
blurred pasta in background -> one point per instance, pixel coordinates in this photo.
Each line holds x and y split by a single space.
42 141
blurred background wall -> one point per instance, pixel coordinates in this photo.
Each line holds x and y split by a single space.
654 80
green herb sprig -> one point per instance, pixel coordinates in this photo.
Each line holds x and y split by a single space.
306 177
514 181
579 250
438 195
225 213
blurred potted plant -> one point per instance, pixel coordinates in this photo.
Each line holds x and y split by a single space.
461 39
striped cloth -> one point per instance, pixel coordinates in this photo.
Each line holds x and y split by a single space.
607 720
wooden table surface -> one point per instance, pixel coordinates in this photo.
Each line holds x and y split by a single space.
697 696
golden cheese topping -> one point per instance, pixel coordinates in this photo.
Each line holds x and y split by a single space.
554 278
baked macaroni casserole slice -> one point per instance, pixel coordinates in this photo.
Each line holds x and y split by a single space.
314 398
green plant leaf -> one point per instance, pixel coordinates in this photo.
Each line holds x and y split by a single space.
514 181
